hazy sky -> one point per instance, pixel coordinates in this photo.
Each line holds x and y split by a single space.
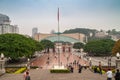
94 14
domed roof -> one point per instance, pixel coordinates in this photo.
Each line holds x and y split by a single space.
62 38
3 18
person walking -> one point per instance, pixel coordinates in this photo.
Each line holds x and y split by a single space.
71 69
79 68
27 76
100 68
109 74
117 75
24 74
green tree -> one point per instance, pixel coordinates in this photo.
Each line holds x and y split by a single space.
47 44
99 47
81 30
16 46
39 46
78 45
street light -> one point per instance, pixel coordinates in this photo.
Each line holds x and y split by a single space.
2 63
118 55
81 50
109 61
28 59
90 63
2 56
118 60
28 64
90 59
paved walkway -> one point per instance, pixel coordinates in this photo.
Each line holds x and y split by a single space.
44 74
65 58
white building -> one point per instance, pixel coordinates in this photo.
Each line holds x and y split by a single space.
115 37
101 34
5 26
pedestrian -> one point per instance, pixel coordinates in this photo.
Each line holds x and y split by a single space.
117 75
78 62
24 74
109 74
27 76
95 69
79 68
71 69
100 68
85 67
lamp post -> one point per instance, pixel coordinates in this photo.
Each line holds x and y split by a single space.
90 62
118 55
81 50
2 63
2 56
109 61
28 64
118 60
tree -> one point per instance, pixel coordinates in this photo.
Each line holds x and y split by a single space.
81 30
99 47
47 44
116 47
16 46
78 45
39 46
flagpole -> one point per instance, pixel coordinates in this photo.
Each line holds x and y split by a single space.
58 22
58 40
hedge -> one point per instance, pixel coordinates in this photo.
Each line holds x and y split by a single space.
59 71
34 67
104 70
21 70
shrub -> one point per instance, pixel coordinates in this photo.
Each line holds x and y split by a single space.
11 70
34 67
59 71
104 70
113 71
21 70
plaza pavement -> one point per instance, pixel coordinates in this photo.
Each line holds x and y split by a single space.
96 60
53 60
44 74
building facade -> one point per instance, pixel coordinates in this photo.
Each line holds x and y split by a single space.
72 38
6 27
34 31
101 34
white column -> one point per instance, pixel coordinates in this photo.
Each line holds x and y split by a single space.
2 67
118 60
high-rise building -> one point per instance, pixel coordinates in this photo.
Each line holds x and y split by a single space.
34 31
5 26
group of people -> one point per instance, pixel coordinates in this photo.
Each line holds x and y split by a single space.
110 75
80 67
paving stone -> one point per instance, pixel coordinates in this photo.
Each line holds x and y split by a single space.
44 74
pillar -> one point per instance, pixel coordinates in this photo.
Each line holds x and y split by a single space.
2 67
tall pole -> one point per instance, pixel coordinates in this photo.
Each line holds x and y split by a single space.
58 39
58 23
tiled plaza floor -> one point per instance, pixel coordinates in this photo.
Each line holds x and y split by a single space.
41 61
44 74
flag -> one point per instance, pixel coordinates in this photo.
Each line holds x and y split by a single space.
58 15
